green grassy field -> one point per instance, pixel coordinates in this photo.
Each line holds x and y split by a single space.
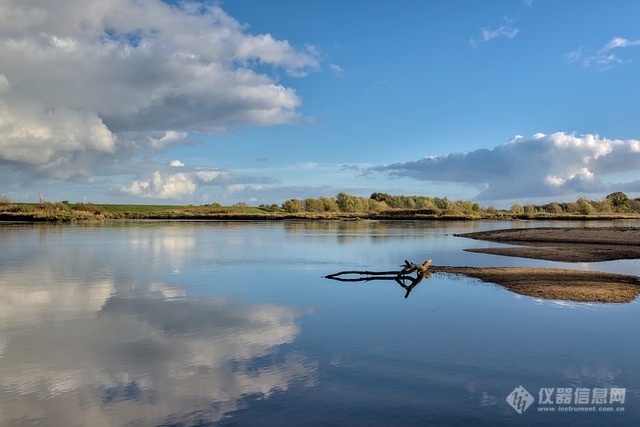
108 208
66 212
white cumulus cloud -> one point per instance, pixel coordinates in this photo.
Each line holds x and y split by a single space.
85 83
178 181
161 186
539 166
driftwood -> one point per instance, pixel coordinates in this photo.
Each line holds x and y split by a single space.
400 277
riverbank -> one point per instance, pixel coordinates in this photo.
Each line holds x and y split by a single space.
86 212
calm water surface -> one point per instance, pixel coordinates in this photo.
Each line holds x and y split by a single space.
233 324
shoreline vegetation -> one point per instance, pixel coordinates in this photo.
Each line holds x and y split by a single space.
379 206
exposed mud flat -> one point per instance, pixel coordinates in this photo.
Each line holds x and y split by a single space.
552 283
564 244
560 244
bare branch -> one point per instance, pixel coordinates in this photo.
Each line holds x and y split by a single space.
400 277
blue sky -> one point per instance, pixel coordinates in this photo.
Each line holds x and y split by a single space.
126 101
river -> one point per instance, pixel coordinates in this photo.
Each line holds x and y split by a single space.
187 323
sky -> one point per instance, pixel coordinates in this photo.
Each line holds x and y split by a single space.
196 102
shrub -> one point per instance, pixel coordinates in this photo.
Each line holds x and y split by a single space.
88 207
313 205
348 203
329 204
553 208
584 207
292 206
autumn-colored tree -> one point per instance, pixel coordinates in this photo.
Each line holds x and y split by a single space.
292 206
618 200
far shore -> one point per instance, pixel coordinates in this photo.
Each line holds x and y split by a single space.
62 213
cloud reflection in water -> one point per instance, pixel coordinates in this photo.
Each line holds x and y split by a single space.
76 353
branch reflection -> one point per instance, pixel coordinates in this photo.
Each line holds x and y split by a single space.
401 277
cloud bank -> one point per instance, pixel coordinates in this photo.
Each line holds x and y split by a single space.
540 166
84 84
176 181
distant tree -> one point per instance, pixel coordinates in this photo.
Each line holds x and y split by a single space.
584 207
313 205
240 205
423 202
394 202
292 206
364 203
5 200
517 209
441 203
530 208
409 203
572 207
329 204
380 197
618 200
553 207
348 203
375 206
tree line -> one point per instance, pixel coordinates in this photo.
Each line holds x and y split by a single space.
617 202
378 202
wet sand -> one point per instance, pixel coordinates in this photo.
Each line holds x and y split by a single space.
564 244
560 244
552 283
